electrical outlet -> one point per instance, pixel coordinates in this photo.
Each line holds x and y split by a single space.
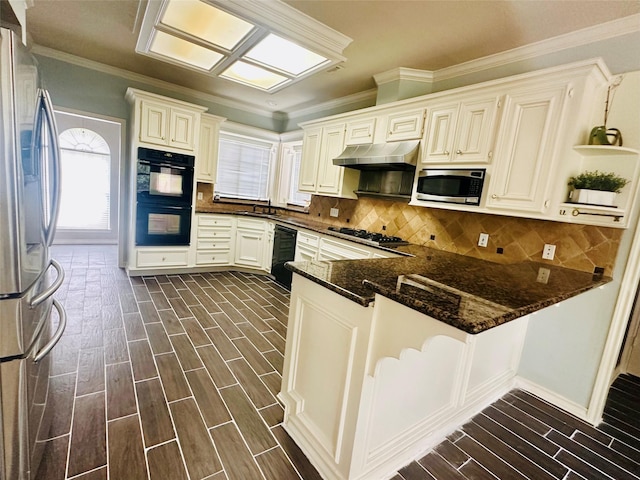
483 240
334 212
549 251
199 195
543 275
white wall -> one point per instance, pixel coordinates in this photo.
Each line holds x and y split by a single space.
564 343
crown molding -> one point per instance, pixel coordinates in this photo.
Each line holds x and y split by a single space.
402 73
578 38
359 97
136 77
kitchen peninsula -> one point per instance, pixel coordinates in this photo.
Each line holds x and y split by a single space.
385 357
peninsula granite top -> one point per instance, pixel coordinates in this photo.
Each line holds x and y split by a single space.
467 293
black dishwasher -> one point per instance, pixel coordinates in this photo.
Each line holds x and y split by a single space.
284 250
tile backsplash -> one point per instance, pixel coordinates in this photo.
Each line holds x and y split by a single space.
580 247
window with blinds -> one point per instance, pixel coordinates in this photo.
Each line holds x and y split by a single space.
244 168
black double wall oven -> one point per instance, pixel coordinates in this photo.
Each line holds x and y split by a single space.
164 193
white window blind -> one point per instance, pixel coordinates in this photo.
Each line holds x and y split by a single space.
243 168
295 196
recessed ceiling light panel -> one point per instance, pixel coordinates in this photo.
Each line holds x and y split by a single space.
254 76
206 22
284 55
185 52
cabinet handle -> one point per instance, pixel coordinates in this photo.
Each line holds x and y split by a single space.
459 152
546 203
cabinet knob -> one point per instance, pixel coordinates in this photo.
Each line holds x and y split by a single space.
446 152
164 258
213 258
459 152
494 196
213 245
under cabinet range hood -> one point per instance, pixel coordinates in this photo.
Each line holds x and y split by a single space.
380 156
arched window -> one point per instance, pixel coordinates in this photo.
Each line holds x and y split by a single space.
85 185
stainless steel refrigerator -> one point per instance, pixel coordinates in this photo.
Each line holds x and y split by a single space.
29 197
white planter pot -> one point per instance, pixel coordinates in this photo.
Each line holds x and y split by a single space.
592 197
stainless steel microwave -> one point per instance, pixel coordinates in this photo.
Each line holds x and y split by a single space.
452 185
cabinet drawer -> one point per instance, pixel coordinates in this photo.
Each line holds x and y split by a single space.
308 239
213 244
214 232
252 224
213 257
335 250
215 220
162 258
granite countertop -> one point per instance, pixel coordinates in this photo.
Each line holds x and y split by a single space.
467 293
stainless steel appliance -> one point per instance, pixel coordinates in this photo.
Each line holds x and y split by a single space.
29 196
366 237
164 194
453 185
284 250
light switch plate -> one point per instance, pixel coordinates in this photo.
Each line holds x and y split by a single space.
199 195
334 212
543 275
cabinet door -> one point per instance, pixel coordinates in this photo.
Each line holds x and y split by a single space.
442 124
405 125
207 158
308 177
360 132
475 129
329 175
182 129
153 123
525 149
249 248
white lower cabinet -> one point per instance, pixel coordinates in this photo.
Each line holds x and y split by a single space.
332 249
214 235
254 237
165 257
392 385
307 245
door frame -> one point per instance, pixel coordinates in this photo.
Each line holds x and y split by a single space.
122 185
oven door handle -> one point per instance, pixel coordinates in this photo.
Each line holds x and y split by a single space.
42 296
165 164
44 351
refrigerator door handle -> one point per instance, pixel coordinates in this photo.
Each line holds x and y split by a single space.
44 351
42 296
47 107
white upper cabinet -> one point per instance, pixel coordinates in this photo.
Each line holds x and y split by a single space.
360 132
318 174
407 125
461 132
161 121
207 156
525 148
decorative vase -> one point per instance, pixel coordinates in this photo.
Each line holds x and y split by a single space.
605 136
592 197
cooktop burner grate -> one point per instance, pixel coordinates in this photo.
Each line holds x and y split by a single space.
373 237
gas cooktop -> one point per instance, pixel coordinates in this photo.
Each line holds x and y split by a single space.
372 238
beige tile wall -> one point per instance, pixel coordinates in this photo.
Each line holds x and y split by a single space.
580 247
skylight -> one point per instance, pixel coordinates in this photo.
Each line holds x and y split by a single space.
265 44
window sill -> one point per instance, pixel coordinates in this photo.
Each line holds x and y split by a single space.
260 203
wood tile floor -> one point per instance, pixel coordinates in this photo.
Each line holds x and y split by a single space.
175 377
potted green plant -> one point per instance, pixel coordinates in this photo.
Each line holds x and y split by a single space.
595 188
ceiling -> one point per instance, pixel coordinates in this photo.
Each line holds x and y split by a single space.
416 34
